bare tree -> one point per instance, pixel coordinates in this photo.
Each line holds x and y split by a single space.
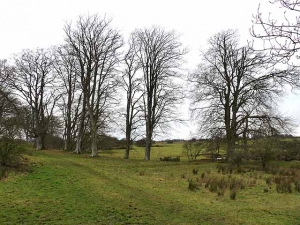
132 85
236 89
95 46
160 55
9 120
281 36
10 107
66 67
35 85
193 149
5 72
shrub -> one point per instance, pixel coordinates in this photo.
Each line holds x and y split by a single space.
107 142
265 149
241 170
221 192
236 183
10 156
251 182
141 142
195 171
268 180
213 185
297 185
233 194
142 173
237 158
221 168
193 149
193 185
283 185
170 159
2 172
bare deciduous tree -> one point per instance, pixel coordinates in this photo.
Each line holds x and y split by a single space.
95 46
35 85
236 89
160 55
67 70
132 85
281 36
9 120
193 149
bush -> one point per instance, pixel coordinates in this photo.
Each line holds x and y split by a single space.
268 180
283 185
54 142
170 159
265 149
297 185
237 158
193 185
141 142
193 149
221 168
106 142
233 194
169 141
10 156
236 183
195 171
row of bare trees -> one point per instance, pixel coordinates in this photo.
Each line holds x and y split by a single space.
83 80
234 90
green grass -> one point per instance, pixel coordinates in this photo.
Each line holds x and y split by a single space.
63 188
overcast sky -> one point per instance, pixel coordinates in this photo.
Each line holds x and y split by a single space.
39 23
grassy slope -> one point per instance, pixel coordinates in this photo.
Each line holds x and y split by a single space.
75 189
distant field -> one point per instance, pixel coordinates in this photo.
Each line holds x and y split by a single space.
63 188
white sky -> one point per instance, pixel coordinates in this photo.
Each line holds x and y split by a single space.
39 23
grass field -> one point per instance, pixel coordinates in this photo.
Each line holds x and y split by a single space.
62 188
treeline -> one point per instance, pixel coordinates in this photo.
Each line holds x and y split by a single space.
74 91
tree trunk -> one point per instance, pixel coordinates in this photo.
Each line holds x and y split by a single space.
128 129
43 141
230 146
38 142
128 144
68 138
78 149
147 151
94 147
66 145
264 164
78 144
148 146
